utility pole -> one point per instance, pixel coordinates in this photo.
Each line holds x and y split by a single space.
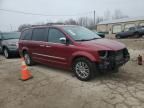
94 17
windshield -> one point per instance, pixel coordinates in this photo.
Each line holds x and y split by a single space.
14 35
80 33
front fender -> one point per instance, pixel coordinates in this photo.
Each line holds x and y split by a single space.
91 57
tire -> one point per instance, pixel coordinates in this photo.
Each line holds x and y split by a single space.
83 68
118 36
28 59
136 35
116 70
6 53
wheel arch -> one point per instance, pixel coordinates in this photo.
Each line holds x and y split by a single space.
83 54
3 47
23 51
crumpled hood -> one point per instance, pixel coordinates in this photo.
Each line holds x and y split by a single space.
103 44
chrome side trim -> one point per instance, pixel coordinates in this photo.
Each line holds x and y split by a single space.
64 63
49 56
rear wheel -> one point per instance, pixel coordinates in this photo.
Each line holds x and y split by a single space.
83 69
118 36
136 35
6 53
28 59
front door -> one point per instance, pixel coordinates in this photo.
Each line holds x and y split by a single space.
57 53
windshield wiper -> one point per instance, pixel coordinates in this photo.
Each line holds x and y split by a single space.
82 40
94 38
87 39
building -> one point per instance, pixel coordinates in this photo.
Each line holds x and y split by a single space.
114 26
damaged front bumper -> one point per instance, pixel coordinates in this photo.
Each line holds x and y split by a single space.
111 65
113 61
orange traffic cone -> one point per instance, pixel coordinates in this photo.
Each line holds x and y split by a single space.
25 74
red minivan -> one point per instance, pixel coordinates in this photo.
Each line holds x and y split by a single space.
72 47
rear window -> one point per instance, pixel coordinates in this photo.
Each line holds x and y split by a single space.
14 35
26 35
40 34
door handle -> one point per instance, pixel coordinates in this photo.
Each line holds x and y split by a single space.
41 45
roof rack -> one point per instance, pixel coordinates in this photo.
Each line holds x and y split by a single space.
48 24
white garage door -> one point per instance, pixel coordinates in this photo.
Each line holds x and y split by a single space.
127 26
102 28
141 24
117 28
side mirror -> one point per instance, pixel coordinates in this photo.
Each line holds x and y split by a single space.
63 40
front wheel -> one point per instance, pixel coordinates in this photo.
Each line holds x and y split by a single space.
83 69
28 59
6 53
136 35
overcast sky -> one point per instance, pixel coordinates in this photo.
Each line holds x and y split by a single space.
8 20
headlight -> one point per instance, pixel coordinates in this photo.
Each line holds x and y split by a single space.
103 54
17 44
12 44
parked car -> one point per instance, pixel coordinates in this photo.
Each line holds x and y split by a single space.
132 32
101 34
9 43
72 47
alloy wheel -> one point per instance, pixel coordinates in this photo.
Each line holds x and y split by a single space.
82 70
27 59
6 54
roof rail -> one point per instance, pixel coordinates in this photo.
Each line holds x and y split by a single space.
48 24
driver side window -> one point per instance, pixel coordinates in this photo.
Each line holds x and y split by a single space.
55 35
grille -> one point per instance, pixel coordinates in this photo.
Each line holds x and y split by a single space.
118 55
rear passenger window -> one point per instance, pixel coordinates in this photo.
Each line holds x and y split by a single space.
40 34
55 35
26 35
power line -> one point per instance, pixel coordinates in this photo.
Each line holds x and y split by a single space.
22 12
38 14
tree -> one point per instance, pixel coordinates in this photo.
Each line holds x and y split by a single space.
80 21
99 19
107 15
23 26
71 22
118 15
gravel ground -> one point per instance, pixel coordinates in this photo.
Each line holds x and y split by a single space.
55 88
